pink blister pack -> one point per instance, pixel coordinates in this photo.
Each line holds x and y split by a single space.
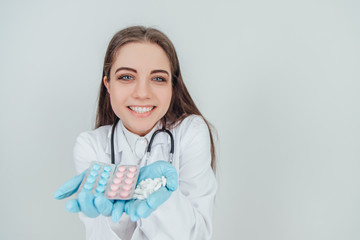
116 182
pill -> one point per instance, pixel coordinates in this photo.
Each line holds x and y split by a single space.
121 169
119 174
111 194
124 194
128 181
96 166
115 187
102 182
97 194
90 179
93 173
105 175
88 186
107 168
117 180
100 189
130 175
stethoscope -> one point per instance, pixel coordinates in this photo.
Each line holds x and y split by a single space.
148 151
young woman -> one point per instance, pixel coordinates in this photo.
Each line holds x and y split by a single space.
142 91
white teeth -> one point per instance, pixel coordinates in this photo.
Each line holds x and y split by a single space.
141 109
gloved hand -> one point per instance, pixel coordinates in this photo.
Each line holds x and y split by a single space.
143 208
86 202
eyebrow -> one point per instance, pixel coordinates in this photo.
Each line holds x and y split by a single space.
126 68
133 70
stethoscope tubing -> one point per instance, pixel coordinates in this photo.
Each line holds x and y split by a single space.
148 151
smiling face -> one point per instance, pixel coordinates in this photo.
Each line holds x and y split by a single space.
140 86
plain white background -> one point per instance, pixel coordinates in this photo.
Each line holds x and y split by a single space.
278 79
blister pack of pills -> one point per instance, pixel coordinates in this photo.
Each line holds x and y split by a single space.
113 181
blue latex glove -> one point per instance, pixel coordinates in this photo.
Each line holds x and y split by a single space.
143 208
86 202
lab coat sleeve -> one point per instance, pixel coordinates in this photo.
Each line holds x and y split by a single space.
188 212
84 154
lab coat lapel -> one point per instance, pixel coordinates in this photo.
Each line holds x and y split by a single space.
122 150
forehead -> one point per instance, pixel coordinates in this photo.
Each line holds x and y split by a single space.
142 56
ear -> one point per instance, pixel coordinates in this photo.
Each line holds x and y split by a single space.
107 84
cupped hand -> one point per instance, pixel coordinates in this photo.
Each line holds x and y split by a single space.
92 206
143 208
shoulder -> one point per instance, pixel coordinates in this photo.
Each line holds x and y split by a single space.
96 136
88 146
192 128
190 122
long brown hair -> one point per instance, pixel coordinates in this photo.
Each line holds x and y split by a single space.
181 104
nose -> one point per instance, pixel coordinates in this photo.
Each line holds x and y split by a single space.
142 89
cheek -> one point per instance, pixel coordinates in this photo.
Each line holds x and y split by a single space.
166 96
118 95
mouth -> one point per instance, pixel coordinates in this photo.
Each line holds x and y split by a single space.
138 109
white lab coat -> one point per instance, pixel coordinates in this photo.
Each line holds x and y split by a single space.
187 214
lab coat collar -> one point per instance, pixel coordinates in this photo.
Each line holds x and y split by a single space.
122 142
133 138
